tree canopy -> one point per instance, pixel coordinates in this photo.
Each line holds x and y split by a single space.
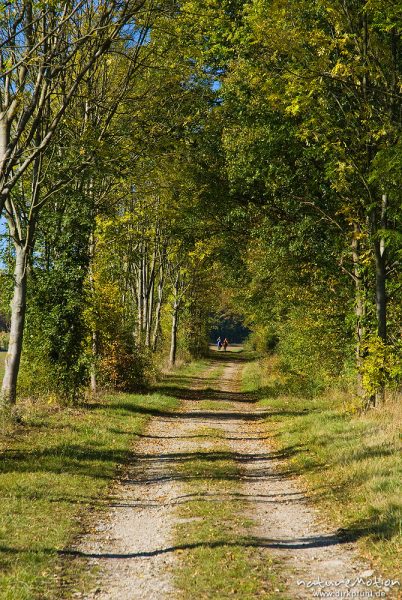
164 165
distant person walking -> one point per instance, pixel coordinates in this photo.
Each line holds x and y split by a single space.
219 343
225 344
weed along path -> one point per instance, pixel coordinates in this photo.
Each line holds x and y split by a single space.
201 511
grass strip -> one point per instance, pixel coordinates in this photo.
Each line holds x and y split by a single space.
2 363
53 470
220 558
351 462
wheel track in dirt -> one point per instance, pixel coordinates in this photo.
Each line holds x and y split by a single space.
133 545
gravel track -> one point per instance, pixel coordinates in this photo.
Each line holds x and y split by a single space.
133 545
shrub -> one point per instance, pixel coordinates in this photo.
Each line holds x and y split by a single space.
4 339
382 366
264 339
123 368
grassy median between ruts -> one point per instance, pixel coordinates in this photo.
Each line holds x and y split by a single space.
53 469
350 461
220 557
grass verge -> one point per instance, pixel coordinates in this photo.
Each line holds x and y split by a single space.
2 363
351 462
54 469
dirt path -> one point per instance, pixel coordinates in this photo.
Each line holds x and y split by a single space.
287 525
134 545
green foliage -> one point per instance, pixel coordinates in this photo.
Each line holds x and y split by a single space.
312 141
382 365
124 368
54 359
4 338
250 151
264 339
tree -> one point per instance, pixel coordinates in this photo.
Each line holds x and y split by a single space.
64 42
323 84
47 49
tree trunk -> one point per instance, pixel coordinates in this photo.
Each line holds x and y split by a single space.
94 337
139 302
175 319
158 312
150 299
4 141
380 283
18 309
381 276
23 245
360 308
380 287
150 313
144 293
94 350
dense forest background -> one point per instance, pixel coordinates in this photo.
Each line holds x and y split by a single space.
166 168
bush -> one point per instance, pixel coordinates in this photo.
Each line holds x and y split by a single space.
39 377
382 366
4 339
125 369
263 339
54 358
314 343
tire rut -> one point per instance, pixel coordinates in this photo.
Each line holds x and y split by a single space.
134 545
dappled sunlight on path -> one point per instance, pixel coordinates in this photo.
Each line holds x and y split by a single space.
135 546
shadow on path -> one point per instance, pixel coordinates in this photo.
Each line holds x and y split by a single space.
252 542
249 542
